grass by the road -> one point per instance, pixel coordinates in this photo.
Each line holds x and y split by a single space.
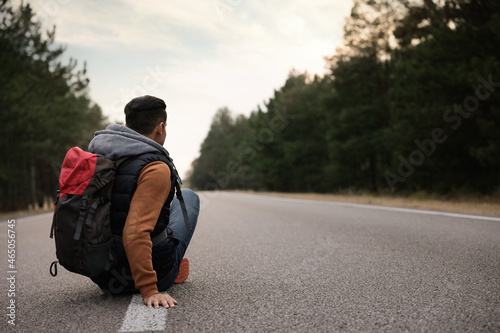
489 206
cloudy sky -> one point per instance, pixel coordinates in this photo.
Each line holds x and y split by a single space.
197 55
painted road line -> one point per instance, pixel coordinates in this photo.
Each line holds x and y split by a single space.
409 210
421 211
140 318
387 208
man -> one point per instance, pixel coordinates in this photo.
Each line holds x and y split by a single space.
143 207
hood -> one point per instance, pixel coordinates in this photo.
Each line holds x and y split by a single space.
118 141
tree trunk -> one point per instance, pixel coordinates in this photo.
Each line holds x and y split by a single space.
33 183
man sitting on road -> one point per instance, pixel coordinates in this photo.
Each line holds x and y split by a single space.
143 205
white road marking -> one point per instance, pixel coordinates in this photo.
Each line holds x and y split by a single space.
418 211
393 209
140 318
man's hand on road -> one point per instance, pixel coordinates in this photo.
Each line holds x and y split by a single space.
160 299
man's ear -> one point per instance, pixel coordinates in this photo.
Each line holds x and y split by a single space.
160 127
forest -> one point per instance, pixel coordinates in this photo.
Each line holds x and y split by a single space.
45 109
410 104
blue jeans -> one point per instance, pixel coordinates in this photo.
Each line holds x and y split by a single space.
176 223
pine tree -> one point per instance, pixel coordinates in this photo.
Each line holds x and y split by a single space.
45 108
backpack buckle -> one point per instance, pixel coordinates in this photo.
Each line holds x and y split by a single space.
84 203
57 197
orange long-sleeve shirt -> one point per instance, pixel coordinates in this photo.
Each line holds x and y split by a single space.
153 187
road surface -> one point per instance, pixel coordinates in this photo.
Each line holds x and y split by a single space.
267 264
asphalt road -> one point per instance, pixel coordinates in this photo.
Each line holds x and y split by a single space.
264 264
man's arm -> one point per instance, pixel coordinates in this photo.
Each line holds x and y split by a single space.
153 187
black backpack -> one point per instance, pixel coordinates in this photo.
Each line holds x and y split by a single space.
81 222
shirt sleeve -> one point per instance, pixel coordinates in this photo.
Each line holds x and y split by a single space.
153 187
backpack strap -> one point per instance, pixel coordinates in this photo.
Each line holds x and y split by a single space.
164 234
98 202
79 226
178 192
183 206
54 217
160 237
53 268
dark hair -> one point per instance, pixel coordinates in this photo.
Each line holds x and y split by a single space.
142 114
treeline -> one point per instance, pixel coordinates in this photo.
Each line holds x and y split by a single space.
411 103
44 109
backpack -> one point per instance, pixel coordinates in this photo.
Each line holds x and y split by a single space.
81 222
